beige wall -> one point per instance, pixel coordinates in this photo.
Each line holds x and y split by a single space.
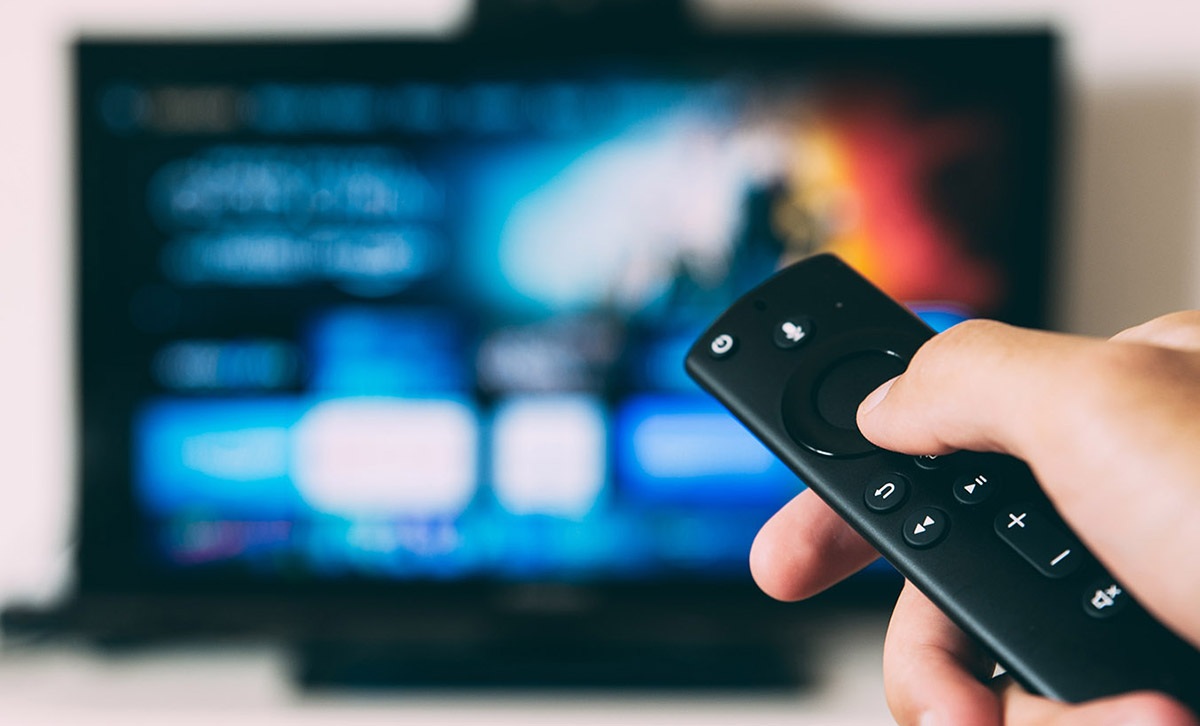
1132 221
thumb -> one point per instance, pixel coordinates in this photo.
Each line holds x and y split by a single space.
1095 421
981 385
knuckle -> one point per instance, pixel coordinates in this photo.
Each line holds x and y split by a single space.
940 351
1176 319
1176 330
971 330
980 325
1112 381
1110 365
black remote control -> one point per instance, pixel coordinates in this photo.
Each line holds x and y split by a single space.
793 358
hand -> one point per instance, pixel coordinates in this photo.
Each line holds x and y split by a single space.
1098 422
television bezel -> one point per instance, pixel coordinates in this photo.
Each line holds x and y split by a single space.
109 562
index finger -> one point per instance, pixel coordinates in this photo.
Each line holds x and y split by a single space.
804 548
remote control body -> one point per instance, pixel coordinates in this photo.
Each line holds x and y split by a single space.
794 357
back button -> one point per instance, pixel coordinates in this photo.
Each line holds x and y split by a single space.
886 493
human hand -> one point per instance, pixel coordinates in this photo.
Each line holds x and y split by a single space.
1094 420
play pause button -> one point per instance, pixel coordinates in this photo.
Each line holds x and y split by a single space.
926 527
975 488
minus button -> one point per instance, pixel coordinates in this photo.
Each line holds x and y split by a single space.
1040 540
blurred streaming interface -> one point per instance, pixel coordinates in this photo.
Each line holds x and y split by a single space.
435 330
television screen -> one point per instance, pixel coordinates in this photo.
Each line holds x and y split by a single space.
414 312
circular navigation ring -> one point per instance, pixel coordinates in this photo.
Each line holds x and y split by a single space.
820 401
849 381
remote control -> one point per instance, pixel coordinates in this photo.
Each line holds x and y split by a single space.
793 358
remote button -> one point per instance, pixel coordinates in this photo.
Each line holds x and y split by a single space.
849 381
722 346
975 488
1036 538
926 527
886 493
792 332
821 398
1104 598
929 461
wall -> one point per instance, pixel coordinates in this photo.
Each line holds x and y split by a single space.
1132 227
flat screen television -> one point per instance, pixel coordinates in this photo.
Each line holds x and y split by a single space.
400 323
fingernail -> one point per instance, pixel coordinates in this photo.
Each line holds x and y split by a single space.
873 400
929 718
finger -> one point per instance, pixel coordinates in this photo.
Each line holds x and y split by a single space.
1083 414
980 385
987 386
936 676
1131 709
1179 330
932 671
805 548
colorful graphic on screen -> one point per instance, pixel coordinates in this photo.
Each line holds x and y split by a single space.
435 330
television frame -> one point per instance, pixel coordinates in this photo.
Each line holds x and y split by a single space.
106 556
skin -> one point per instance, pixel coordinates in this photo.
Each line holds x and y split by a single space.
1111 429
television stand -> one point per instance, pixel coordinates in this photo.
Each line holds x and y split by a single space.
552 664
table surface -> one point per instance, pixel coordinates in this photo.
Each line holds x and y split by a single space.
60 683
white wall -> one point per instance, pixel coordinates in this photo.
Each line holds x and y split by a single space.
1132 228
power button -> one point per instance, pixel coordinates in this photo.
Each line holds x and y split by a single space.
722 345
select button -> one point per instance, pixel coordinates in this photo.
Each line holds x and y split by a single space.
852 379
